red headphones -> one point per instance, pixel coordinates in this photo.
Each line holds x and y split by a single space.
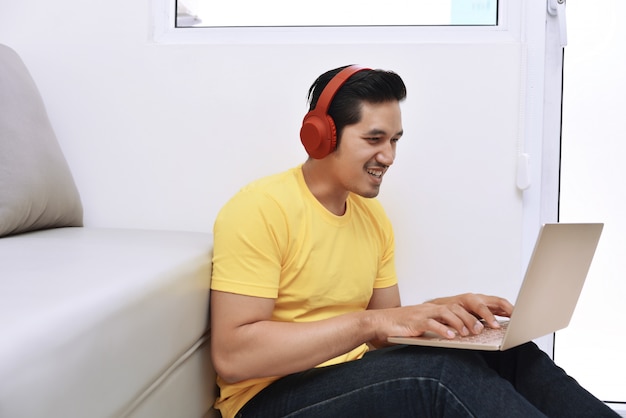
318 133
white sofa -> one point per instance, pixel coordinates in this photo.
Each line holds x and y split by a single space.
94 322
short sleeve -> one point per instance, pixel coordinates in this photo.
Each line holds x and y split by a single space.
247 249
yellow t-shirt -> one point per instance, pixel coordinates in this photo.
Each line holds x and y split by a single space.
273 239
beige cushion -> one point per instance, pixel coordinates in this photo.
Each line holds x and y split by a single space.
37 190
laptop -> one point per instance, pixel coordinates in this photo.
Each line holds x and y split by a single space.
546 300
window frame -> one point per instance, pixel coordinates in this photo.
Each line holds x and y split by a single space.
164 31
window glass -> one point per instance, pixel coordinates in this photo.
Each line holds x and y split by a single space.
289 13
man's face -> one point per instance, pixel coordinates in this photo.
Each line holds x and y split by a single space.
368 148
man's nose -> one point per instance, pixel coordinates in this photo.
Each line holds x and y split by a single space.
387 154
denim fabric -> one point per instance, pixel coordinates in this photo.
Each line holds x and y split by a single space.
407 381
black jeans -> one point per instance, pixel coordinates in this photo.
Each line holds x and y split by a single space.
405 381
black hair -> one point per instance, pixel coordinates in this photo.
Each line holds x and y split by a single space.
369 86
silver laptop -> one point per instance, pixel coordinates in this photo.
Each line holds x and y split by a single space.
545 303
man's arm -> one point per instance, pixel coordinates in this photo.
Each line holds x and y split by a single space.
384 298
387 297
247 344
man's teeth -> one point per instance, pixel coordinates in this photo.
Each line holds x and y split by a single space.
375 173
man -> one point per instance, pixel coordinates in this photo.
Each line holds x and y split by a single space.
304 285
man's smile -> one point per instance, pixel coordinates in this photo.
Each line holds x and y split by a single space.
377 171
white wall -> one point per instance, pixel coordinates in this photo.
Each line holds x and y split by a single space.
160 136
593 173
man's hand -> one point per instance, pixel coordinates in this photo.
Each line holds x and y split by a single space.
479 307
460 314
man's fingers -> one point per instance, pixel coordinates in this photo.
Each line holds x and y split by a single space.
453 317
488 317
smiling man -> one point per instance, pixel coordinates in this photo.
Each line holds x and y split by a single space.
304 288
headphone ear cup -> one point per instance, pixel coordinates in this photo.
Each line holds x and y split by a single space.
318 134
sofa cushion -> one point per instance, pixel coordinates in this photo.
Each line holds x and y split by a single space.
37 190
101 322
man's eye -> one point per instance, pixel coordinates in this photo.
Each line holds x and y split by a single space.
373 139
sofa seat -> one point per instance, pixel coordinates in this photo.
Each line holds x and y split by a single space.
105 323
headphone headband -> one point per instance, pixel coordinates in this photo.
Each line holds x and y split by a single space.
333 86
318 133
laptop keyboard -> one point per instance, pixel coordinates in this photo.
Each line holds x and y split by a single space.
489 335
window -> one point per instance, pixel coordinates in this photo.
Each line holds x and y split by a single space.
399 21
280 13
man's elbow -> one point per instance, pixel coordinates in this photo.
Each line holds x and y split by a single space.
226 367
